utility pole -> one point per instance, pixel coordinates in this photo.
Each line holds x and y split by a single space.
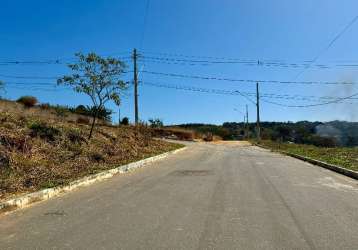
247 122
258 132
135 79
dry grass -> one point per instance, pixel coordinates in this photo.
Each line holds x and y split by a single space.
340 156
41 111
38 152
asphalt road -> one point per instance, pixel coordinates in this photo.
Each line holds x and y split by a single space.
207 197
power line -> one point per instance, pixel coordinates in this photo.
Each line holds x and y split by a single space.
313 105
244 80
180 61
31 83
246 94
57 61
199 61
44 77
51 62
241 62
30 77
224 60
262 63
329 45
202 90
52 87
197 89
200 57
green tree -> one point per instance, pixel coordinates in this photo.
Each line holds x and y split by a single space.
155 123
98 78
125 121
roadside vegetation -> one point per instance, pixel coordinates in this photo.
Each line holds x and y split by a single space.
346 157
328 134
98 78
37 153
44 145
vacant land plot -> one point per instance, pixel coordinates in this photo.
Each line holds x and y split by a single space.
340 156
37 153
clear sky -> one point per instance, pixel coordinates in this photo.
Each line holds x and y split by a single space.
285 30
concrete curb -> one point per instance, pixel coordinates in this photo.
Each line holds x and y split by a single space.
25 200
338 169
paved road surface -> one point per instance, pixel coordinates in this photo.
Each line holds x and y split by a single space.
207 197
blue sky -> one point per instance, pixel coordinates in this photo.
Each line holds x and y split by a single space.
292 31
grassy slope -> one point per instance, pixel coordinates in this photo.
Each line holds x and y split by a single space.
37 153
340 156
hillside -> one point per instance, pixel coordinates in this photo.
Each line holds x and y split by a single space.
39 149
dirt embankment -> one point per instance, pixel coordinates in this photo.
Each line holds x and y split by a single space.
40 151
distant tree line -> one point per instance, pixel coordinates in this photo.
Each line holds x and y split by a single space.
329 134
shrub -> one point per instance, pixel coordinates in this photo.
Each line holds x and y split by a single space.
4 160
155 123
144 133
97 157
81 110
83 120
102 113
45 106
61 110
74 135
44 131
125 121
27 101
320 141
17 142
208 137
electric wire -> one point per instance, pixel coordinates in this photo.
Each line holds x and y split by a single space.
244 80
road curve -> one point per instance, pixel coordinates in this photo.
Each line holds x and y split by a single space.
211 196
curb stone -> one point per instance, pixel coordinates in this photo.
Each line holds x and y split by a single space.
45 194
335 168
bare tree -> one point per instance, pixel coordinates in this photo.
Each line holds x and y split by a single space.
98 78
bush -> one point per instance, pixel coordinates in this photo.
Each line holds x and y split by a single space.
27 101
208 137
125 121
186 136
4 160
61 111
81 110
17 142
155 123
74 135
319 141
45 106
97 157
44 131
102 113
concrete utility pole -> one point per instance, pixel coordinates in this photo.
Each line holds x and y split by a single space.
135 79
247 122
258 132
